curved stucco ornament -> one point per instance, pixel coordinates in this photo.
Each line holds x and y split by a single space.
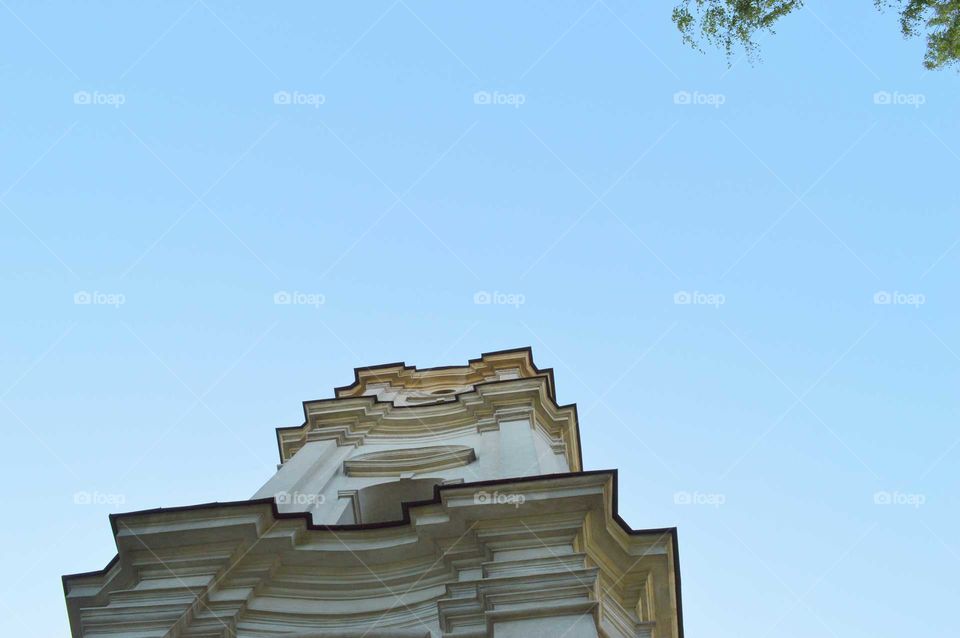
409 460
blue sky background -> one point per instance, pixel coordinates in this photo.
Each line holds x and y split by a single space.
783 401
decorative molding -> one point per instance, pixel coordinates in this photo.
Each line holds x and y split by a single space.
249 566
363 420
409 460
491 366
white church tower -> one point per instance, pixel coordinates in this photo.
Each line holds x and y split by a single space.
445 502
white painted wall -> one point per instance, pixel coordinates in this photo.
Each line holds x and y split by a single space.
313 480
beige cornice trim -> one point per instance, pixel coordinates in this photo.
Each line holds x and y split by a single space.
488 367
265 549
352 421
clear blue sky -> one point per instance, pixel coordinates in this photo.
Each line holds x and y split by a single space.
147 162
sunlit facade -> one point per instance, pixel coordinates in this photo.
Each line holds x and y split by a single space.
443 502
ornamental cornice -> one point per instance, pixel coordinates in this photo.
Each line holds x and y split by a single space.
358 420
250 566
489 366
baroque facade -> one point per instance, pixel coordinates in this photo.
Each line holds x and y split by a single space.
443 502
